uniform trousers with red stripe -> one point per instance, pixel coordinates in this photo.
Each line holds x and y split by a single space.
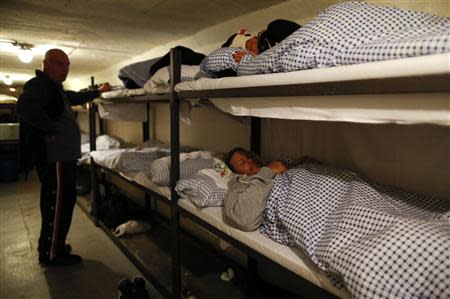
58 198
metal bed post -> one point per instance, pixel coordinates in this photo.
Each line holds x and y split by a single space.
92 144
255 135
175 74
145 137
146 125
255 146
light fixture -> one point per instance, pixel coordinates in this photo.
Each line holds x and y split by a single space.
23 50
7 80
12 89
25 54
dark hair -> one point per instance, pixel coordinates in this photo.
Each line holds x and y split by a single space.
276 31
229 41
251 155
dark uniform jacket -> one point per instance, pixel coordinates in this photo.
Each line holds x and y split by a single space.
40 107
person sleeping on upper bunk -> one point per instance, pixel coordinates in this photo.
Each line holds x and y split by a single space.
275 32
245 201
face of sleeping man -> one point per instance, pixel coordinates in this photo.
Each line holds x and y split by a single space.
252 45
243 165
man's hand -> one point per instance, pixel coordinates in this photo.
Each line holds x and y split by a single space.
104 87
277 167
238 55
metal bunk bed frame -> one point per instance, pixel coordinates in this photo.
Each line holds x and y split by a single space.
410 84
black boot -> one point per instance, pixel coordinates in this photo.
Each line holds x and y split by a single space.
125 289
66 259
140 292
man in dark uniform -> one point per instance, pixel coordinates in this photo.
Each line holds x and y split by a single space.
50 140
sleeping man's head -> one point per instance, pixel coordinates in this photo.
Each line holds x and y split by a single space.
244 162
243 40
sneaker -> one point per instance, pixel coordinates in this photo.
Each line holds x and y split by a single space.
140 292
63 260
125 289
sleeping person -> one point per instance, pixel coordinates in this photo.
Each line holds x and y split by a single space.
378 241
275 32
242 47
246 199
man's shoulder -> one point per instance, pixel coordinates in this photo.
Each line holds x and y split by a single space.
38 81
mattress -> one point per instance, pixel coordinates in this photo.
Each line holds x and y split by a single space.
142 179
387 108
111 160
288 257
123 92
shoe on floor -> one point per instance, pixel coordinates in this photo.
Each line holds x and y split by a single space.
125 289
67 248
140 292
63 260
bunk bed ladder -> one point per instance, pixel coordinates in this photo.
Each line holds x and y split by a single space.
175 75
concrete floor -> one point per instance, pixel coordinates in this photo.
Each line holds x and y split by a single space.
21 276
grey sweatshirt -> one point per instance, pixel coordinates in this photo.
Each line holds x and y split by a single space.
246 199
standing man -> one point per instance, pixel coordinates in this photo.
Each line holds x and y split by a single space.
50 140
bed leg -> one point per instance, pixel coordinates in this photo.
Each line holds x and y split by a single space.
252 265
94 193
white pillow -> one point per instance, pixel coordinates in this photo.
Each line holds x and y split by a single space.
159 83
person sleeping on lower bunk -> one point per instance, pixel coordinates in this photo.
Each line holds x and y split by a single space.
246 199
377 241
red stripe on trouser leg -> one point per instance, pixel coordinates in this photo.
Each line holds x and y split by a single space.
57 209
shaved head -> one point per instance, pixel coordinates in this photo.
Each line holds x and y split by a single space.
50 54
56 65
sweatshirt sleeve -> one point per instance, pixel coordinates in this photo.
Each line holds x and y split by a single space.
31 108
81 97
246 199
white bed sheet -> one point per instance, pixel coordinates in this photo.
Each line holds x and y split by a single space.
159 83
123 92
288 257
387 108
111 159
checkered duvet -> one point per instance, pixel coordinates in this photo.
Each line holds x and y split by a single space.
351 33
377 241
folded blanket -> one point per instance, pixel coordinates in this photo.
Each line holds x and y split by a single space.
208 187
190 164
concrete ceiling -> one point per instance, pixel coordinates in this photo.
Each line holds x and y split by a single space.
99 33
